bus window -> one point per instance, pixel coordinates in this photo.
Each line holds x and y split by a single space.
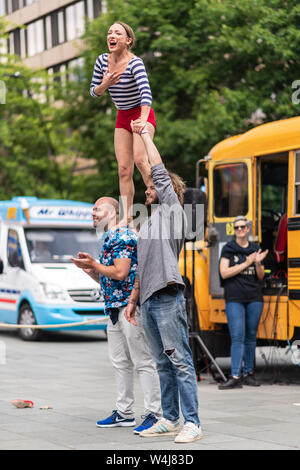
297 182
231 190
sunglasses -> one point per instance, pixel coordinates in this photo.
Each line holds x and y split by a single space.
240 227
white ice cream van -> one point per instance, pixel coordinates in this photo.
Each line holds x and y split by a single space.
38 283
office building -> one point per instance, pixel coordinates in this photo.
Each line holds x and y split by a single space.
50 38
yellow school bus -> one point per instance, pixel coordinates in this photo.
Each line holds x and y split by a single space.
255 174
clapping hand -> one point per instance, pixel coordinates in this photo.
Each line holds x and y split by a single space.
251 258
260 256
84 261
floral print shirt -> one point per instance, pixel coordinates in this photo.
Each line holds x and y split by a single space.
119 243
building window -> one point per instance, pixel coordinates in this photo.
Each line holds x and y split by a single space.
29 2
15 5
90 9
14 41
17 42
71 71
11 43
75 20
64 24
12 5
48 32
61 27
2 8
54 28
3 51
35 37
76 70
23 43
93 8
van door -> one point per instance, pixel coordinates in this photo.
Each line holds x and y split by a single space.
12 276
294 234
230 195
3 283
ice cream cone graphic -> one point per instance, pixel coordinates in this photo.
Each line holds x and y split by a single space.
25 209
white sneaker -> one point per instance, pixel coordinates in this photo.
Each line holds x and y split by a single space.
189 433
161 428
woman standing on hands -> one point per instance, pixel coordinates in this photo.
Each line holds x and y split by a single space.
241 270
124 75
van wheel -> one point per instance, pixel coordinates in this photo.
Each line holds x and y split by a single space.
26 317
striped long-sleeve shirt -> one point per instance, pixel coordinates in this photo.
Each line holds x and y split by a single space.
133 88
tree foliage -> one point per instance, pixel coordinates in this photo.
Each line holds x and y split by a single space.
32 135
216 68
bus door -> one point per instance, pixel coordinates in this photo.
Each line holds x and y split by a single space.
230 195
294 240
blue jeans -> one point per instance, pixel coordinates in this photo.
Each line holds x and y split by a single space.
243 320
165 324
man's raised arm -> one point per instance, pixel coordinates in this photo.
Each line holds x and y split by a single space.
154 157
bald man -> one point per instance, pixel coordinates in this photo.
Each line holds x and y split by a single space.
128 349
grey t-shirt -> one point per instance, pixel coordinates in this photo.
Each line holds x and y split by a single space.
161 238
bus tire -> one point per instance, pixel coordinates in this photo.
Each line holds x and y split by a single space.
26 317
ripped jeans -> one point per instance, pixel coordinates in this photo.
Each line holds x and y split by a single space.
165 324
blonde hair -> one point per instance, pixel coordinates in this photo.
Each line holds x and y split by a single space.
241 218
129 32
178 185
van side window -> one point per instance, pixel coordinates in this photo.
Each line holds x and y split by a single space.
297 182
14 254
230 190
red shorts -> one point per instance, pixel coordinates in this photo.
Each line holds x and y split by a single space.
124 118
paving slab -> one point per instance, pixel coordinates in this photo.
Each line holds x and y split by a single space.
72 373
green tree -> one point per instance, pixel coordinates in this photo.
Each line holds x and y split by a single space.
211 65
32 136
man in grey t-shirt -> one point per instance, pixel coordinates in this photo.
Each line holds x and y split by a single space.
159 287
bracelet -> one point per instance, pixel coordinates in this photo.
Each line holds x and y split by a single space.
144 132
132 302
258 264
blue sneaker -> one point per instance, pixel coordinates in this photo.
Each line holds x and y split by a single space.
149 420
115 420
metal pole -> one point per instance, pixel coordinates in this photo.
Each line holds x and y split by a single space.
202 345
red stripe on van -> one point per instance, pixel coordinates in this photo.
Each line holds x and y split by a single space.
9 301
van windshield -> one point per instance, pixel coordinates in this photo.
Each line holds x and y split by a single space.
57 245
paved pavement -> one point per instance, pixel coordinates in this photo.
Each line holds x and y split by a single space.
71 372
